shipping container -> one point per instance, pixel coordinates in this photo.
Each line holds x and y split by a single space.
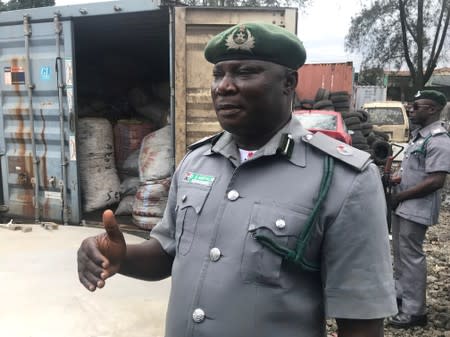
66 67
331 76
368 93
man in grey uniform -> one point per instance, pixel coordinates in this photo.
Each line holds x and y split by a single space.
416 204
268 230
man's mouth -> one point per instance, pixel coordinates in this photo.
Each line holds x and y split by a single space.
227 108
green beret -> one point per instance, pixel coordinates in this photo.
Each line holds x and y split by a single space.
433 95
257 41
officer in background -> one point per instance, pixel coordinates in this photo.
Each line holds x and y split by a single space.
268 230
416 204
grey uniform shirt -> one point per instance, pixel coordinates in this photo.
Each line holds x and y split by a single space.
422 158
225 283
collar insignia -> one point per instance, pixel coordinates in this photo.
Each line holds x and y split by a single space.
240 38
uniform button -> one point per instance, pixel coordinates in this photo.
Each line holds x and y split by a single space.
233 195
198 315
280 223
184 198
214 254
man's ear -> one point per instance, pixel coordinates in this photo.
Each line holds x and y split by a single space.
291 81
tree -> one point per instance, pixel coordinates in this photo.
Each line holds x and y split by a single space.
20 4
394 33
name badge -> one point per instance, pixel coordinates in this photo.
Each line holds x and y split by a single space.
198 178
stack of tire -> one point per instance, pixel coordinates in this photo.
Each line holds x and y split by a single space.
363 136
356 121
341 101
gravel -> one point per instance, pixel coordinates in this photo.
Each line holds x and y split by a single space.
437 248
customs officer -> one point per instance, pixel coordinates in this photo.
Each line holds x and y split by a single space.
269 229
416 204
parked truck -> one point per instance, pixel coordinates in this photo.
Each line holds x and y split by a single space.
64 64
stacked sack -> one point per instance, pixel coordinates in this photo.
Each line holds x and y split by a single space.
155 169
128 136
98 176
139 145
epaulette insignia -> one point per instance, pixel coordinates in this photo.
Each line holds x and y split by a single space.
352 156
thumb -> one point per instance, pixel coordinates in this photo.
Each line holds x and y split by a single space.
111 227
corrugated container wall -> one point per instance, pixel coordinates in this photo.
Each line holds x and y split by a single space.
367 94
330 76
121 62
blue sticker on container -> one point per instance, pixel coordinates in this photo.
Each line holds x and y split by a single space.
45 73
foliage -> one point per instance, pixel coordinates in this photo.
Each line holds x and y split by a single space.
20 4
394 33
372 76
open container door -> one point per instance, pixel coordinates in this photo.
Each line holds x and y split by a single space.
36 116
52 58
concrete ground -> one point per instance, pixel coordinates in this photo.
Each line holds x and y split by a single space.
40 295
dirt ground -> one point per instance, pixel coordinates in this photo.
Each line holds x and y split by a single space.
437 248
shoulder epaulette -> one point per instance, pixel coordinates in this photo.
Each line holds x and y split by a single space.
210 139
353 157
438 131
435 132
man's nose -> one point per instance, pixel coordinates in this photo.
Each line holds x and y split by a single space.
225 85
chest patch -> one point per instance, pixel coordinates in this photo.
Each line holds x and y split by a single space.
198 178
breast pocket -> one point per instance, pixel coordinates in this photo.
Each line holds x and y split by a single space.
416 161
282 225
190 201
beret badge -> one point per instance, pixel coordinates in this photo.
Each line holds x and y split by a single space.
241 38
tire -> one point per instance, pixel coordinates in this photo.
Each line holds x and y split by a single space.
365 132
323 103
364 115
352 121
381 151
371 137
341 104
339 98
381 134
358 138
339 93
366 129
322 94
354 114
361 146
342 111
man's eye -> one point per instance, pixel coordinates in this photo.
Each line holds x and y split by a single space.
245 71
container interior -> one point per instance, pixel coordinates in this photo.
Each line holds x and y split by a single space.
121 74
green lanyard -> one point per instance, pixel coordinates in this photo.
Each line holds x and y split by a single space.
297 256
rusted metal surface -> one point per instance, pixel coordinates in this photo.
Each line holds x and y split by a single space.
330 76
26 191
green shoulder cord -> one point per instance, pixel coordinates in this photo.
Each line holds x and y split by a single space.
297 256
422 149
